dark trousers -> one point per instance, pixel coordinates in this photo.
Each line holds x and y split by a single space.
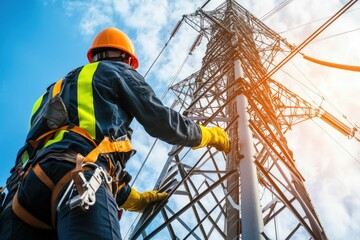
99 222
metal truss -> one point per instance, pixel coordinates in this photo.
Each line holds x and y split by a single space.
204 185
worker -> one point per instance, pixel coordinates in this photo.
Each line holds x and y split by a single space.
71 169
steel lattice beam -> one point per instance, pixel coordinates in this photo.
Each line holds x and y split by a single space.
205 189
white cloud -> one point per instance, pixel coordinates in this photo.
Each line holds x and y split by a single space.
147 14
327 162
122 7
48 2
93 14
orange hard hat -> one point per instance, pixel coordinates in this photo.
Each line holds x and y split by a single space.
114 38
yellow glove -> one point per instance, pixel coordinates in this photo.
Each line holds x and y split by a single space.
214 137
137 202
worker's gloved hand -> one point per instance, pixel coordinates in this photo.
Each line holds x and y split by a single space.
137 202
214 137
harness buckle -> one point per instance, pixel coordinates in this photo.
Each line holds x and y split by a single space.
86 194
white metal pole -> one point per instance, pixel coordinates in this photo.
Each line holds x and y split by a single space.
252 224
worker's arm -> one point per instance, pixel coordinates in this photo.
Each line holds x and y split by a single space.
139 100
163 122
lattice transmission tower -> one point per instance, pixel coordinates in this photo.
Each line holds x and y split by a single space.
255 189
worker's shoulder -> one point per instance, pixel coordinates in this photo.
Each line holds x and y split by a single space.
119 69
113 66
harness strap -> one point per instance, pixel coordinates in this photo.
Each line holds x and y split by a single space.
107 146
72 128
121 186
75 173
23 214
39 172
57 88
27 217
55 194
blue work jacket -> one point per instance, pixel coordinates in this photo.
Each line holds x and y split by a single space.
103 98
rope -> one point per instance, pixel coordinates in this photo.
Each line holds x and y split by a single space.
332 65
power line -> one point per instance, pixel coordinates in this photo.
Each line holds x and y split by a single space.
156 140
297 49
320 94
275 10
335 35
338 143
318 20
173 33
196 42
191 181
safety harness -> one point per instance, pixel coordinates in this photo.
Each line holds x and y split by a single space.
86 189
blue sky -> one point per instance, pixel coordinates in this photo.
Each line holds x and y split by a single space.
40 44
41 40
